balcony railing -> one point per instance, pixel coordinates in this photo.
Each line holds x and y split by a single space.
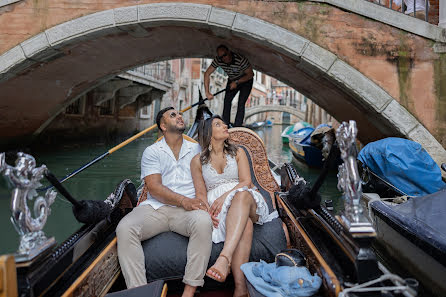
160 71
420 7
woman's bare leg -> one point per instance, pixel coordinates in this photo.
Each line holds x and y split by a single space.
242 207
240 256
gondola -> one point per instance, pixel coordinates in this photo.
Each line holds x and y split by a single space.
303 150
256 125
405 197
336 248
307 147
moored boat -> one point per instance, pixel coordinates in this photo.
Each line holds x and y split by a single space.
290 129
303 145
413 235
256 125
406 202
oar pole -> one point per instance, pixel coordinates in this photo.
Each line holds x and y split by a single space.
122 144
138 135
82 168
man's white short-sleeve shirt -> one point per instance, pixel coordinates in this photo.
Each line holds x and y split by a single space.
175 174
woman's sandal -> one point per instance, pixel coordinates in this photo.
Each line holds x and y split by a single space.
222 278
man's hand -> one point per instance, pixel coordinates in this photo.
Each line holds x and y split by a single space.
209 96
233 85
193 204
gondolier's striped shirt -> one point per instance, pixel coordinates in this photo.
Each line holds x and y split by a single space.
236 69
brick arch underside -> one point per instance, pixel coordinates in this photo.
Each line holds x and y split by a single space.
63 69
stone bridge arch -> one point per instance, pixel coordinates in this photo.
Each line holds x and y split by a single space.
249 112
43 74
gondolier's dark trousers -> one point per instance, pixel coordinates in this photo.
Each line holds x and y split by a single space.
245 90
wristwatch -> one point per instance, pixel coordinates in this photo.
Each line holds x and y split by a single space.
236 82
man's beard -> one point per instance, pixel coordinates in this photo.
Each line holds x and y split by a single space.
175 129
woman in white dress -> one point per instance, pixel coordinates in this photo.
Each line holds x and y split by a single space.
222 179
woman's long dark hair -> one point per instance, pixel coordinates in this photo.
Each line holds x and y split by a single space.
204 139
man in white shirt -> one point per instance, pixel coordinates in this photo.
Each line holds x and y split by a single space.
170 206
420 8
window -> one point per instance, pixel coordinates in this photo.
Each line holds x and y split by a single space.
106 108
76 108
145 112
181 65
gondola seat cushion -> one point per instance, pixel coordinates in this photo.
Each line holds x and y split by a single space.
166 253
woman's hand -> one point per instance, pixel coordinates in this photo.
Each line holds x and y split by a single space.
217 205
215 221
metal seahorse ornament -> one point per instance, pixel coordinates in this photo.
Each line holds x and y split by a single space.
349 181
25 178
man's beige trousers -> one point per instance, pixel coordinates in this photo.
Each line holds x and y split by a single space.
144 222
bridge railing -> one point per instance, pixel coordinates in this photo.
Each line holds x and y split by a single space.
419 8
272 99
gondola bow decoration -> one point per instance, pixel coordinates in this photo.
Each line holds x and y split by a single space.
349 181
25 178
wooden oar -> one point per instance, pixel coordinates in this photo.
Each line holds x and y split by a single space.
122 144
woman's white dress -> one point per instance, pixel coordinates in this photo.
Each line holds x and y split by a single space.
218 184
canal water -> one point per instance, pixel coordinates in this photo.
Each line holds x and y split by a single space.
98 181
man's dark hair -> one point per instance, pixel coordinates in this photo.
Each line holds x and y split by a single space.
160 115
222 46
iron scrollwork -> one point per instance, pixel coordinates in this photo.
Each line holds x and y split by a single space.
349 181
25 178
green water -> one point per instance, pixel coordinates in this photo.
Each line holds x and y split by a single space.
98 181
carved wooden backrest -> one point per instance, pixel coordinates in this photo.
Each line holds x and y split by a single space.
258 159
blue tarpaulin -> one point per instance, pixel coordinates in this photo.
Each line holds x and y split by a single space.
404 164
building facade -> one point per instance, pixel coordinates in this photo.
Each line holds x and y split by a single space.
128 103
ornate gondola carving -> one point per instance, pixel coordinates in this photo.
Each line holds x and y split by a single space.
25 179
243 136
349 181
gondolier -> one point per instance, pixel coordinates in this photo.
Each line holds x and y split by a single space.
240 75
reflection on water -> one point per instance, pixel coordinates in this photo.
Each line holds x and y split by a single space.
98 181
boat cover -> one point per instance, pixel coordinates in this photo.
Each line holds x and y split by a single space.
322 128
422 217
303 135
404 164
